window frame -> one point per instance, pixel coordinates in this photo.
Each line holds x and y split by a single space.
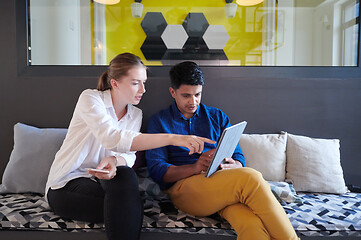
346 25
240 72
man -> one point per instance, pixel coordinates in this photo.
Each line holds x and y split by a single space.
238 194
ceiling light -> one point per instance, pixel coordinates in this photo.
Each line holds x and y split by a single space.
107 1
248 2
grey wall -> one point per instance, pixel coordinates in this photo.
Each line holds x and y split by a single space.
317 102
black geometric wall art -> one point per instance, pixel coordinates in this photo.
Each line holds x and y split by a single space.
195 39
195 45
175 54
195 24
153 24
153 48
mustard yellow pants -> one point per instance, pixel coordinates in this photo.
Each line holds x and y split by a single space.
241 196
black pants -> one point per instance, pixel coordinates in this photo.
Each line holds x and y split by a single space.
115 202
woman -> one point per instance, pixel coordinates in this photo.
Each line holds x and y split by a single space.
103 134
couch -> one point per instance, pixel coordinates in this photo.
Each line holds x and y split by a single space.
304 174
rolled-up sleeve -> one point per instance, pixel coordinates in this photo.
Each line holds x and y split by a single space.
128 157
101 125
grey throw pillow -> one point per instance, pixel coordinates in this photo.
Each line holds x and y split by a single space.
30 161
266 153
314 165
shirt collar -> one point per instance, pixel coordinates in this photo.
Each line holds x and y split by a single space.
178 114
130 111
109 104
107 99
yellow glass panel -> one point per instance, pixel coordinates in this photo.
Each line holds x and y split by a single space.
125 34
271 33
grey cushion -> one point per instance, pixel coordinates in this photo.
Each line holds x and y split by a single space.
30 161
266 153
314 164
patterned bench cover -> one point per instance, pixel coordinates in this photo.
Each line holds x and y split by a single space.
314 215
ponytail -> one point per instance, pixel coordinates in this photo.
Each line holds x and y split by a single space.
104 82
117 69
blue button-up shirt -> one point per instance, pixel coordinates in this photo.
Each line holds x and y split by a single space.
208 122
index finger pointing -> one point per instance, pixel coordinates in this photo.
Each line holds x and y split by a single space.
207 140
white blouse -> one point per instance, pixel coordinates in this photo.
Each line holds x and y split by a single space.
93 134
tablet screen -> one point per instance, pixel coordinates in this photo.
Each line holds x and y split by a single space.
226 146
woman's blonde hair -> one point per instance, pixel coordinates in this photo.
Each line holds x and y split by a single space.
118 67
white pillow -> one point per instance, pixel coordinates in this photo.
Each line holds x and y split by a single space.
313 165
30 161
265 153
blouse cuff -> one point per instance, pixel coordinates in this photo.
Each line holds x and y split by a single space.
129 159
127 138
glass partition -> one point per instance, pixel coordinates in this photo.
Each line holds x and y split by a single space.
222 32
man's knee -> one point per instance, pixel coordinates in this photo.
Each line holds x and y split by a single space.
247 173
254 174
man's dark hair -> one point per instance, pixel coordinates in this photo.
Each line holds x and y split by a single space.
187 73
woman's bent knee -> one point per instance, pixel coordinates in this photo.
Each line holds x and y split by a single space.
124 181
126 172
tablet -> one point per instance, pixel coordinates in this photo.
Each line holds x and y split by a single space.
226 146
